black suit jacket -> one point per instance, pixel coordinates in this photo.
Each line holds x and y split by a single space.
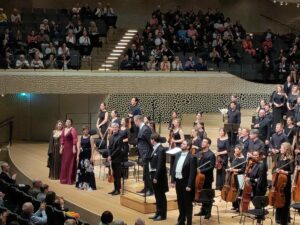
208 169
144 144
158 162
7 178
115 148
189 170
258 178
264 128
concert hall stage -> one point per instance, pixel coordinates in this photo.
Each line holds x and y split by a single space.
31 158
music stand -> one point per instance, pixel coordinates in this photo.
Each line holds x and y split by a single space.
231 128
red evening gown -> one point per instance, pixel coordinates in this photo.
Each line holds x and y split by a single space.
68 160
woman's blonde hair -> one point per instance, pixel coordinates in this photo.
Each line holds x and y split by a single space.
288 147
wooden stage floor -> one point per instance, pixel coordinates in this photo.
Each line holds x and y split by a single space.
31 158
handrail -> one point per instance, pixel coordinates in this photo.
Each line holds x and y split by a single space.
279 22
8 122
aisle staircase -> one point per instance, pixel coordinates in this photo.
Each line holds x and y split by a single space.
110 54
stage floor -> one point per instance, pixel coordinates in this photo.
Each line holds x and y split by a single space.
31 158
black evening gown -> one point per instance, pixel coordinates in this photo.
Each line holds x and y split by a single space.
278 111
221 173
101 118
85 178
54 158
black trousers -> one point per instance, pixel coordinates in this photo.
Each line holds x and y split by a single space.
117 170
185 203
160 197
146 176
206 206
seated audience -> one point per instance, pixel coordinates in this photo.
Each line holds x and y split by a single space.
248 46
70 222
43 192
152 64
126 64
200 65
189 64
37 63
22 63
36 187
3 17
55 201
165 64
106 218
139 221
15 18
176 64
5 174
51 62
37 218
84 44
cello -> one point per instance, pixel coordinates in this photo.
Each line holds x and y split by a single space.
296 185
247 191
229 190
199 182
276 194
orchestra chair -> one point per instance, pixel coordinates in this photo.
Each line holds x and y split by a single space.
206 196
296 207
259 212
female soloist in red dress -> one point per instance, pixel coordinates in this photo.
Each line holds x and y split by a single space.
68 151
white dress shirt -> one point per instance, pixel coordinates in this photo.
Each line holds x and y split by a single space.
154 151
179 166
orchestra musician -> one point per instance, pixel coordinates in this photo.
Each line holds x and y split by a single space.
206 155
158 172
239 168
277 139
199 118
285 166
174 115
234 117
255 143
196 141
258 176
115 117
183 179
102 121
244 141
177 134
116 157
145 149
222 158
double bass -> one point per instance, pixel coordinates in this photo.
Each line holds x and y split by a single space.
276 194
229 190
199 182
247 191
296 186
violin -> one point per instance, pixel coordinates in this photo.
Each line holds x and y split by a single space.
276 194
296 186
229 190
200 179
247 191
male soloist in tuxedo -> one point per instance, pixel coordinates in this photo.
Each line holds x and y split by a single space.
116 157
206 155
183 178
145 149
159 177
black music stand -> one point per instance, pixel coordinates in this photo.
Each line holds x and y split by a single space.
231 128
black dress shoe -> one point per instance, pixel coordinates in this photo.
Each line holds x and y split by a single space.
141 191
149 193
153 217
116 193
159 218
111 192
207 216
199 214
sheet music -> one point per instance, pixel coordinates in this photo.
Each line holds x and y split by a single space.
241 182
174 151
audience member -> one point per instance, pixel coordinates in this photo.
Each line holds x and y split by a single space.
15 18
37 218
70 222
3 17
22 62
106 218
5 174
36 187
176 64
139 221
43 192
